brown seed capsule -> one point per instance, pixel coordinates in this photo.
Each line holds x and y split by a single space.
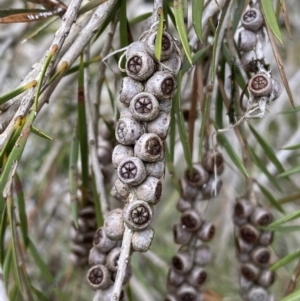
160 125
139 65
155 169
149 148
197 276
121 152
129 89
266 238
114 224
191 220
144 107
252 19
137 215
175 278
260 85
243 208
206 231
276 89
166 47
247 40
122 189
249 233
202 255
170 298
188 192
250 271
102 242
96 257
249 61
198 176
213 160
211 188
149 191
128 274
183 204
112 259
173 63
141 240
261 217
242 246
98 277
132 171
188 292
128 131
245 285
266 278
258 293
162 85
181 235
182 262
261 256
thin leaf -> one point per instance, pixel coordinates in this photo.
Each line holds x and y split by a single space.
140 18
52 4
199 54
39 294
2 233
14 11
22 208
39 133
123 24
286 229
295 296
292 147
28 17
197 10
287 218
7 265
98 211
270 18
290 172
267 148
285 260
158 40
205 116
286 17
179 17
270 197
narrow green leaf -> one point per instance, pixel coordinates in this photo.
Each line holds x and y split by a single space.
170 12
291 111
292 297
199 54
39 294
140 18
290 172
22 208
204 120
4 98
7 265
270 18
287 218
232 154
40 262
181 126
292 147
40 133
267 148
158 40
123 24
286 229
270 197
3 226
285 260
197 10
179 17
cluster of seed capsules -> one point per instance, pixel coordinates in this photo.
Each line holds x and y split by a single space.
143 126
252 247
187 273
262 86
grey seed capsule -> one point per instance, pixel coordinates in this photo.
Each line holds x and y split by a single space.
182 262
198 176
191 220
125 113
183 204
77 260
149 148
144 107
252 19
188 292
243 257
206 231
79 250
102 242
245 284
258 293
132 171
211 188
276 89
121 152
137 215
249 61
242 246
162 85
261 256
165 106
197 276
249 233
243 208
166 48
128 131
122 189
212 160
104 151
247 40
181 235
114 224
170 298
160 125
261 217
266 238
202 255
129 89
112 259
155 169
174 63
260 85
128 274
266 278
188 192
175 278
96 257
98 277
149 191
141 240
250 271
116 195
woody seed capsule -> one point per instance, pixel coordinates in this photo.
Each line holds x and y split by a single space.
141 240
114 224
122 189
155 169
150 190
187 292
175 278
261 217
249 233
96 257
197 276
261 256
160 125
167 45
188 192
202 255
198 176
206 232
191 220
252 19
181 235
258 293
182 262
128 131
213 160
112 259
211 188
129 89
266 278
102 242
121 152
266 238
249 61
260 85
250 271
247 40
98 277
183 204
174 63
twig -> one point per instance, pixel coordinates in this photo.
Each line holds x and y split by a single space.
292 283
158 4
